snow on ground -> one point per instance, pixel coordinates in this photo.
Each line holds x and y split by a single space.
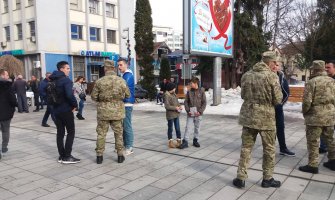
231 103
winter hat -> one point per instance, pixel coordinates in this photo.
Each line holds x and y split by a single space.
109 64
269 56
170 86
318 64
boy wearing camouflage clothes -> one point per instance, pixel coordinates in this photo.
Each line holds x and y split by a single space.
195 105
109 92
318 108
173 109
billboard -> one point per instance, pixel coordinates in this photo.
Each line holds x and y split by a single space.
208 27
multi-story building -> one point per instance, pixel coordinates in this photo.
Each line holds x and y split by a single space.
173 38
43 32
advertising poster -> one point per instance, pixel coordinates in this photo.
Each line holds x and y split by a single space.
211 27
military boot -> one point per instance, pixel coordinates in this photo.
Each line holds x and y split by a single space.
330 165
120 159
239 183
271 183
171 144
184 144
178 143
309 169
99 159
195 142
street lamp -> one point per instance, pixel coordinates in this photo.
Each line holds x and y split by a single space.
128 43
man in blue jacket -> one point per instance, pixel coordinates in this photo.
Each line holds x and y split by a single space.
128 135
64 112
280 125
43 94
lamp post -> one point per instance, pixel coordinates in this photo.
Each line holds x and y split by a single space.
128 43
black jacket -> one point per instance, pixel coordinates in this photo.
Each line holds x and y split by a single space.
20 87
7 100
64 89
34 86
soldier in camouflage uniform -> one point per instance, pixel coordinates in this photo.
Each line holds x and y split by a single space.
109 92
318 108
261 92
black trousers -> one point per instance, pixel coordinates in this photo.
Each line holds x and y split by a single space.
280 127
65 120
37 101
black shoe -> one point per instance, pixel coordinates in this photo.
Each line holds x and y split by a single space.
120 159
271 183
41 108
80 117
60 159
70 160
322 151
286 152
45 125
100 159
195 142
4 149
37 110
309 169
330 165
184 144
239 183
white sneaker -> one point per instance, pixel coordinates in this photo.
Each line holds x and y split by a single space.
129 151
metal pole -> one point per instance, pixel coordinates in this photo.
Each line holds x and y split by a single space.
217 81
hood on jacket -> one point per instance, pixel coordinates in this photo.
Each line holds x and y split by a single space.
56 75
260 66
4 84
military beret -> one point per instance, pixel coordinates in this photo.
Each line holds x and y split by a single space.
269 56
318 64
108 63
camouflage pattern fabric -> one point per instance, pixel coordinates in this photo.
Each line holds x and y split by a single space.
102 129
260 91
318 106
313 134
109 91
249 136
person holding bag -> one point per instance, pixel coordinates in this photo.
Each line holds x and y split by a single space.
79 93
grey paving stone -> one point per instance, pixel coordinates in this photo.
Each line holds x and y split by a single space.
5 194
83 195
32 185
88 183
168 181
251 195
143 194
138 183
294 184
33 194
61 194
322 190
285 194
186 185
228 192
117 193
166 195
109 185
20 182
138 173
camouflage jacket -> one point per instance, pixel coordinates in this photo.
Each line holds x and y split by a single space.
319 101
171 102
260 91
109 91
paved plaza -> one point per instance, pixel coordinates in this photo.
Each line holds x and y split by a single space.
30 169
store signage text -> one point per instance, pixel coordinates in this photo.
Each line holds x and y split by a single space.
97 53
13 52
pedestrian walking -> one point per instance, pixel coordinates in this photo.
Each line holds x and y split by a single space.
173 109
34 85
64 112
109 93
318 108
8 103
195 105
162 90
43 95
79 93
20 87
261 92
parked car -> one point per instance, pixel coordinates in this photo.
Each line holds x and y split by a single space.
140 92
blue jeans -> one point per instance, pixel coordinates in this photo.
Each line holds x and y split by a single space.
128 135
174 121
81 106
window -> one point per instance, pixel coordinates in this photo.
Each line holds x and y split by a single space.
94 34
110 10
74 4
78 66
76 32
32 28
111 36
7 33
18 4
94 6
19 31
5 6
30 2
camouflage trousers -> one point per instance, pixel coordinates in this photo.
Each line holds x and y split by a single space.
102 129
313 134
249 136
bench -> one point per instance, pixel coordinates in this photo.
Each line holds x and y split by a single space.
296 93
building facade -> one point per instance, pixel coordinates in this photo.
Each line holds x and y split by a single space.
43 32
173 38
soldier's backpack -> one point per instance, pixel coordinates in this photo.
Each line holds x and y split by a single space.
53 97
